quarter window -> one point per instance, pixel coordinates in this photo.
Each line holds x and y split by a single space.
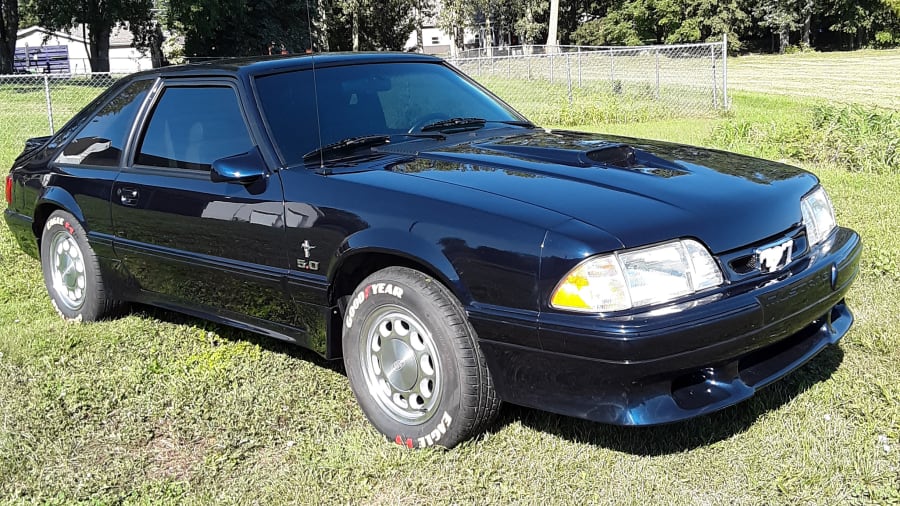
101 141
191 127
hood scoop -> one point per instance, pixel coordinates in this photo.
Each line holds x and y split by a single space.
616 155
604 154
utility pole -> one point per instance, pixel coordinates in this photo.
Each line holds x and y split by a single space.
552 39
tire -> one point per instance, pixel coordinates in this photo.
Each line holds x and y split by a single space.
413 361
71 271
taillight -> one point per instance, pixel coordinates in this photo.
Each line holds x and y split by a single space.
9 190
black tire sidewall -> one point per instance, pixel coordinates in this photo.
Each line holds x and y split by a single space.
91 308
440 430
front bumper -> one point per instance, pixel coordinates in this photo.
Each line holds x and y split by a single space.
646 370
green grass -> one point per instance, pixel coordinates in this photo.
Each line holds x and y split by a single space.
157 407
860 77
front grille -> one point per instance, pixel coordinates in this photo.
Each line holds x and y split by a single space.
742 263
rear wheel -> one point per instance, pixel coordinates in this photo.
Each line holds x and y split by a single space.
413 361
71 271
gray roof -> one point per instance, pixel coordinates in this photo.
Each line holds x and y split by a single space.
120 36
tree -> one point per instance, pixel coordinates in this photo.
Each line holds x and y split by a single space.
364 25
453 18
243 27
782 16
387 24
9 27
97 18
424 9
528 26
708 20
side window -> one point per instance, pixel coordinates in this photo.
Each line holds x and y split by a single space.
191 127
102 139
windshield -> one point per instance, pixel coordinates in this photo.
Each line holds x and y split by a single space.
365 100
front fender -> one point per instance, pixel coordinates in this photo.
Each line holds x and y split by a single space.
402 244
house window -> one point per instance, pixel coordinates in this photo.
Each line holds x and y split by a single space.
435 41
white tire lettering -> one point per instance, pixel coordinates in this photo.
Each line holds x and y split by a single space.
435 435
362 295
56 220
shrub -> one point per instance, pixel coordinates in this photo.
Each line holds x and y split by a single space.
859 138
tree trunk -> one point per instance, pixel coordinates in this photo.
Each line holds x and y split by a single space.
355 29
488 40
456 42
99 40
420 20
323 14
157 59
807 21
784 38
9 27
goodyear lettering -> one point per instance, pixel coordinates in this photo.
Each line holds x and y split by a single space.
438 432
362 295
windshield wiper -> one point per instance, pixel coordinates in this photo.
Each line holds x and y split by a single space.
348 144
437 137
454 123
460 124
526 124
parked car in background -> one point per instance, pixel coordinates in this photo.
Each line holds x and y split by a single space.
387 210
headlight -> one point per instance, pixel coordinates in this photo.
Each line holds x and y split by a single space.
635 278
818 215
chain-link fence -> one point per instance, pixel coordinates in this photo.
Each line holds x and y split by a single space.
572 85
552 85
32 105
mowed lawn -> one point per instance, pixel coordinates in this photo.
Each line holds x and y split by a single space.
870 77
156 408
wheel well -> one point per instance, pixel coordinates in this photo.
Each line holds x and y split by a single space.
351 273
41 214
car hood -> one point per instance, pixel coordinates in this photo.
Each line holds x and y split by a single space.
641 191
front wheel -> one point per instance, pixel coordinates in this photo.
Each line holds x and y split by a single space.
413 361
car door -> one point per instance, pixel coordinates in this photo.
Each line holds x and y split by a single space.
190 242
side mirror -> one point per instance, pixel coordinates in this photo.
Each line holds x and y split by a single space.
244 168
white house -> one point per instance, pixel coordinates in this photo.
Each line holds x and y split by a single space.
45 49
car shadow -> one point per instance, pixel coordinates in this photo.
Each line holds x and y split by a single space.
235 334
685 435
643 441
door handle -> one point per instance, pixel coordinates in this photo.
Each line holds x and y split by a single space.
128 196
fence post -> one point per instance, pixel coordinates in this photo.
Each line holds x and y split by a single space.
657 74
528 61
49 103
569 77
579 66
715 84
725 103
612 67
551 68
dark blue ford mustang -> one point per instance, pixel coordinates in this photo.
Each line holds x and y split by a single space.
386 209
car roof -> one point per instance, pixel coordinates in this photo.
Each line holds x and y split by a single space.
273 64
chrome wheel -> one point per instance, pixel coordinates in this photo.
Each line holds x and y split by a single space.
67 274
400 364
